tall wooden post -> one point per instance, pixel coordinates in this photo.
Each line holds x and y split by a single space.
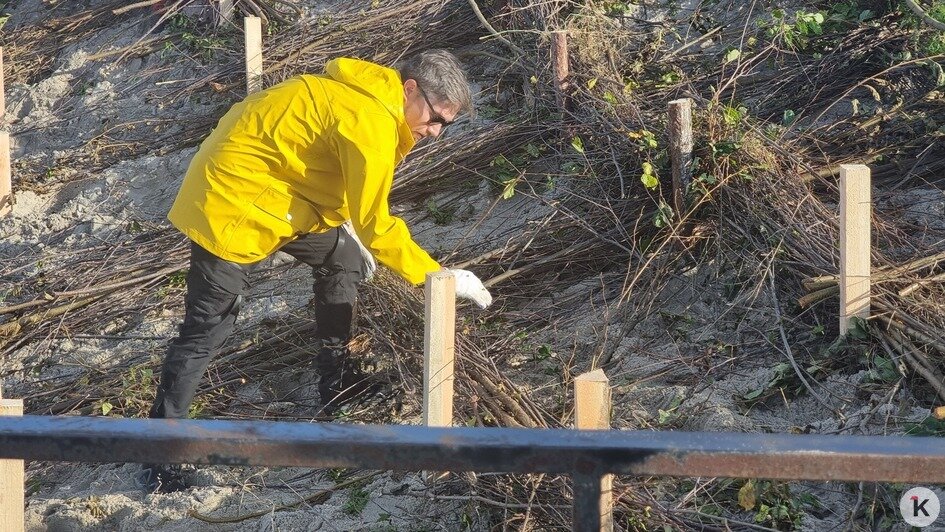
855 212
6 174
252 29
439 348
12 487
559 58
680 149
592 412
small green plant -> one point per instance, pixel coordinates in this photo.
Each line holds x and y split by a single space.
440 215
773 503
665 418
509 169
927 427
357 501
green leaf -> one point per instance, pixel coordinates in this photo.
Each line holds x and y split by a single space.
732 55
508 189
591 83
610 98
106 408
577 144
732 115
754 394
649 179
788 117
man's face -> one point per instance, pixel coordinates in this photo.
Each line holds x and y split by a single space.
425 117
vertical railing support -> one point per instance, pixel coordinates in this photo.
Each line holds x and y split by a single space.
439 348
586 515
252 29
855 212
11 478
680 149
592 412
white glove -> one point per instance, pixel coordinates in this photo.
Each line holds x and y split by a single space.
370 265
468 286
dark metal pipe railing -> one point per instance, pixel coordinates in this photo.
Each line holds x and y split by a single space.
585 455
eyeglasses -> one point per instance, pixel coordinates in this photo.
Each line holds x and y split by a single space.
435 117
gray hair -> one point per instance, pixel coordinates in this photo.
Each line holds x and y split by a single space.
442 78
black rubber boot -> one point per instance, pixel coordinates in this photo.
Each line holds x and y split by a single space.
341 380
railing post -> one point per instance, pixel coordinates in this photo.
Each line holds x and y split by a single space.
592 412
854 244
11 478
586 515
680 150
252 29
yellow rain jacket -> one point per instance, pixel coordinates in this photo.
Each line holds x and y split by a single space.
303 157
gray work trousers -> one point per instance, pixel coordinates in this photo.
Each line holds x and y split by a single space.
215 289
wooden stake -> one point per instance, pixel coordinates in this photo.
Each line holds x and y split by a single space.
439 348
12 487
680 149
592 412
559 58
252 28
3 94
6 181
854 244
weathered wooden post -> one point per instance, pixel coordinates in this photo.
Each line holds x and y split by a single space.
559 58
11 478
252 29
680 150
855 212
439 348
592 412
6 174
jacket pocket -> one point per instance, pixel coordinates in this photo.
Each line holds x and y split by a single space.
298 214
273 219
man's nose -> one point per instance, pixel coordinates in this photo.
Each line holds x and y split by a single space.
435 129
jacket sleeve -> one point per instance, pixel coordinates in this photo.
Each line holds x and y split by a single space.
366 153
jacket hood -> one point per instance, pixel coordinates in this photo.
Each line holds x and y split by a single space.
381 82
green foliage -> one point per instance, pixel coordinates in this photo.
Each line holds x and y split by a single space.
648 178
665 418
663 215
357 501
509 170
773 503
199 42
440 215
927 427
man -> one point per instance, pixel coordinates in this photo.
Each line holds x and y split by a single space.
286 169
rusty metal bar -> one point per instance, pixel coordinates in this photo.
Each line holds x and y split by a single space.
560 451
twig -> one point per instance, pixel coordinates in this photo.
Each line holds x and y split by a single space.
317 496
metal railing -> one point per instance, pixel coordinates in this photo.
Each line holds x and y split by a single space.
584 455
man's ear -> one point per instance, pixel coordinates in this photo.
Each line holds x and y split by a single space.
410 85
